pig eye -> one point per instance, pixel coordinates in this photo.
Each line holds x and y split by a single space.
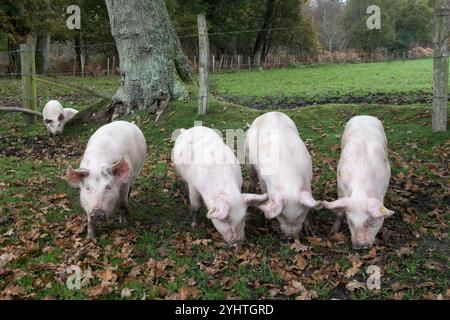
88 188
48 121
108 187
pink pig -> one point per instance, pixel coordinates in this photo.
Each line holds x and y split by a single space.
278 158
111 162
363 178
213 174
55 117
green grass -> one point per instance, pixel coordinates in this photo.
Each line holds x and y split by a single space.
329 80
160 243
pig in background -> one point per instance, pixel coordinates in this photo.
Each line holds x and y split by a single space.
55 117
278 158
213 173
363 178
111 162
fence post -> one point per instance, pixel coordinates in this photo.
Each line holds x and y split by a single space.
203 44
213 63
440 69
108 68
82 69
28 70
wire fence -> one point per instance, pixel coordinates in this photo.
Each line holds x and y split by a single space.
101 59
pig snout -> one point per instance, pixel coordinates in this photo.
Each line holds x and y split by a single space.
98 216
362 243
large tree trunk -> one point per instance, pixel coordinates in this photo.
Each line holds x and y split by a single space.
152 63
260 48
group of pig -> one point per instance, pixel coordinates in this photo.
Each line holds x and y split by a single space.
276 157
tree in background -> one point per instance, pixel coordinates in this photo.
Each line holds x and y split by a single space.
414 24
359 36
151 59
404 24
328 18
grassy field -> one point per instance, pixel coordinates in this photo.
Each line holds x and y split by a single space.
318 84
43 228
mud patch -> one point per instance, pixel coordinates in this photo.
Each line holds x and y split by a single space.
282 102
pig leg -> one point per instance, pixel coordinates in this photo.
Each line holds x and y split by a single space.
337 223
307 226
253 174
123 205
90 230
194 198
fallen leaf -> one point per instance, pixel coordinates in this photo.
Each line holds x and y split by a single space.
353 270
300 262
299 247
355 285
126 292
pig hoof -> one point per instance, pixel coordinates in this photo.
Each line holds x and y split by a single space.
194 225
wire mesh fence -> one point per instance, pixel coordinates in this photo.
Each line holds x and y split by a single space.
101 59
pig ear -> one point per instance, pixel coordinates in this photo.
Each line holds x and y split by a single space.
220 211
339 204
75 177
272 208
61 117
120 169
378 210
307 200
254 200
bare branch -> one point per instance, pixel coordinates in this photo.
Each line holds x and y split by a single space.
26 111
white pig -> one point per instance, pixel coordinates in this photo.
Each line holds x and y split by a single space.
278 158
212 173
363 178
111 162
55 117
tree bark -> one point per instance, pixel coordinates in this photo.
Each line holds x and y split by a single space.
152 63
259 50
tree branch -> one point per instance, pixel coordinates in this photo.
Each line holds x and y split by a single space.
26 111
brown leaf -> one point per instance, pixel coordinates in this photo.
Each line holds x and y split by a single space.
354 269
13 291
340 237
294 287
300 262
315 241
183 294
373 252
298 247
100 290
355 285
108 276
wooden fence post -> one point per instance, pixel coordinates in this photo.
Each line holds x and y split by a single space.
203 44
28 70
440 69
